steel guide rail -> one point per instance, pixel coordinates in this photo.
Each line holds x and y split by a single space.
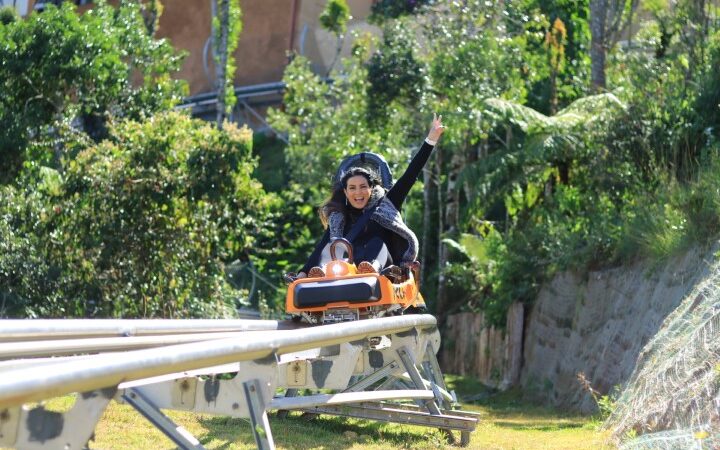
43 329
61 347
321 357
26 385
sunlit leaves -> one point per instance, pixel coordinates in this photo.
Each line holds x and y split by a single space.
138 225
59 66
231 15
335 16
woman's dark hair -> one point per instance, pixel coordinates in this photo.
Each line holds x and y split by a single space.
358 171
336 202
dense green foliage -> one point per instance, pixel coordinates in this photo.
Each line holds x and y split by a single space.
112 206
58 67
335 16
7 15
532 176
138 225
394 74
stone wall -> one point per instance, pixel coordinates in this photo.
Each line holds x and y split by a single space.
596 323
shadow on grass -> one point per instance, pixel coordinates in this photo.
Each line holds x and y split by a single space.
298 432
227 430
530 426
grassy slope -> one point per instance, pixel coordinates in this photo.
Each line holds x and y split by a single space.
507 423
501 428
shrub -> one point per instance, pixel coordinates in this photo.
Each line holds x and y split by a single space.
139 225
60 67
391 9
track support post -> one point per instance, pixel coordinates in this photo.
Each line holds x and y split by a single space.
409 363
258 415
176 433
434 375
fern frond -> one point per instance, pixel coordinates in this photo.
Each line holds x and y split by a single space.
507 111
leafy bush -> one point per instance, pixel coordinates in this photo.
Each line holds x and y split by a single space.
392 9
138 226
7 15
28 281
60 67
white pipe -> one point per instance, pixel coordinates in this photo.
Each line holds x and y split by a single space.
61 347
309 401
30 329
36 383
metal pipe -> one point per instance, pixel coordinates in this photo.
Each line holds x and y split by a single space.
33 329
61 347
35 362
277 87
25 385
308 401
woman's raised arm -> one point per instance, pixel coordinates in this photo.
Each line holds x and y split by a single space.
400 190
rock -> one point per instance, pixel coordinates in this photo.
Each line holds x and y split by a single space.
597 324
351 435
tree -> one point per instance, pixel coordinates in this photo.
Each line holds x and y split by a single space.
555 41
540 172
607 20
60 71
540 141
226 31
532 20
334 19
467 58
139 225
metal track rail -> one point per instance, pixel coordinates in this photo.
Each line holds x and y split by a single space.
12 330
20 385
363 362
62 347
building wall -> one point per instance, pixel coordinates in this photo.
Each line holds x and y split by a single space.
319 45
271 29
262 51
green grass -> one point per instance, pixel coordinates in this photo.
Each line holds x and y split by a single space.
506 423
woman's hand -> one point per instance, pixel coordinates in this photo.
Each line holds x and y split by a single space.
436 129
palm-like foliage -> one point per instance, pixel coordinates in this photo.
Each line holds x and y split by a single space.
536 148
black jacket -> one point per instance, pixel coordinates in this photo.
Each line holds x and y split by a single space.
396 245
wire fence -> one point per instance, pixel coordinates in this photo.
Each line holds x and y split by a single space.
673 399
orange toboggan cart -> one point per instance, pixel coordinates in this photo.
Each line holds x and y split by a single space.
343 294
